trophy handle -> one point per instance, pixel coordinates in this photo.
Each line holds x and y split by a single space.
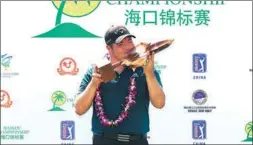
107 72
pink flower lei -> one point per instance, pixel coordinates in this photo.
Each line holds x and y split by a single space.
129 102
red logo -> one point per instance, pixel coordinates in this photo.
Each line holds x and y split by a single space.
5 99
68 67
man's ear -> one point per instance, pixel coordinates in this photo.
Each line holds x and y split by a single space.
109 47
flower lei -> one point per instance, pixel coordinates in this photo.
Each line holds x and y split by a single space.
129 102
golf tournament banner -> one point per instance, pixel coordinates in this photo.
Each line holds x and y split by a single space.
47 46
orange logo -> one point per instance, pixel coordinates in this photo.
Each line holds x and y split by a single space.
68 67
5 99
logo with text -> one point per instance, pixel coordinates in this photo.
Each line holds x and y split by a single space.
76 9
199 131
159 67
68 66
13 133
248 131
199 65
199 97
5 66
67 130
58 99
5 99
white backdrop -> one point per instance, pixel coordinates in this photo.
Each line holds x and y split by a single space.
227 41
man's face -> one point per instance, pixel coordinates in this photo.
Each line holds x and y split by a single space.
121 49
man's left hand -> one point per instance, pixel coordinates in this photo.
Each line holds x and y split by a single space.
148 66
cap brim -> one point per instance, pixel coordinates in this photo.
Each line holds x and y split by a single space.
118 40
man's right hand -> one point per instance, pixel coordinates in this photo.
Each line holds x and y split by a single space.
96 76
85 99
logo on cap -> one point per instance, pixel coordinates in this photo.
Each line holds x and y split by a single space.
120 31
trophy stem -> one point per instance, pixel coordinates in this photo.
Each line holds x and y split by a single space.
116 64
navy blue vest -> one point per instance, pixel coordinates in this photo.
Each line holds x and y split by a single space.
113 94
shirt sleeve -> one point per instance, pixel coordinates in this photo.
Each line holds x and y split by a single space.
158 78
86 80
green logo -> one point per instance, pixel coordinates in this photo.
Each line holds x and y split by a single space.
75 9
248 130
58 98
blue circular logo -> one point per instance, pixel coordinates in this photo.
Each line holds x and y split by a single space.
199 97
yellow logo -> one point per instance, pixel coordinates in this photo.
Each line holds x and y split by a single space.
58 99
248 130
75 9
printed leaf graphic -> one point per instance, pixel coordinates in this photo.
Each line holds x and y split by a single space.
88 2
